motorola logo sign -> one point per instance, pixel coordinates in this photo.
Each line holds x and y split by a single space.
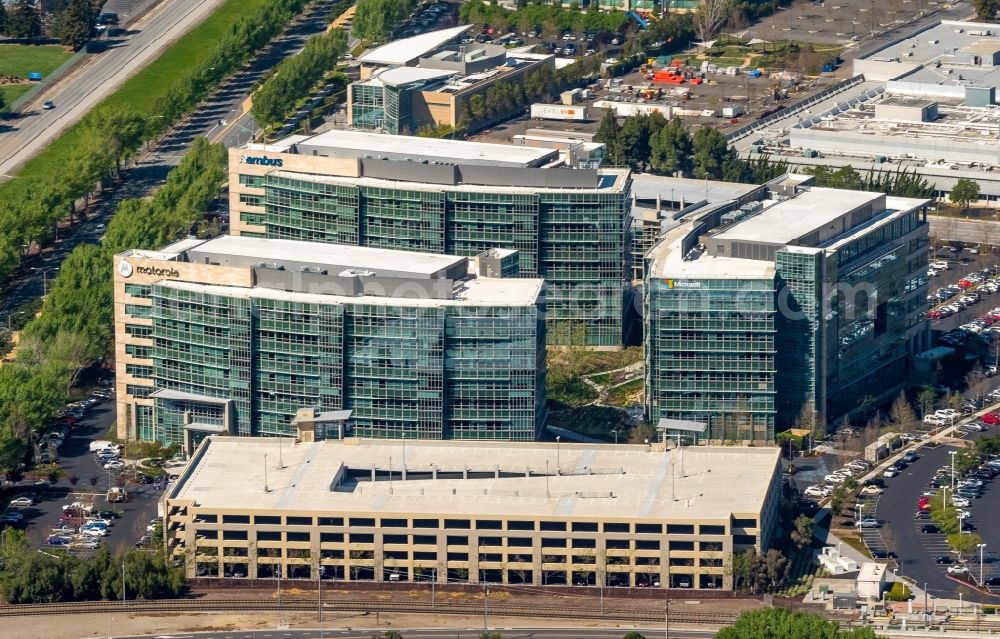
157 272
260 160
124 268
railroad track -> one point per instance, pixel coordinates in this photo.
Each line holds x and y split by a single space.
333 606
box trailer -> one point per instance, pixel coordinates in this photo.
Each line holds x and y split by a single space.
558 112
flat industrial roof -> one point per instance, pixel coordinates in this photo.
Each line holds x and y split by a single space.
596 481
795 217
340 255
475 291
372 144
409 49
647 187
669 263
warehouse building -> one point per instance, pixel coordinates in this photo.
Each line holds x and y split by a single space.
569 226
235 335
808 304
923 102
461 512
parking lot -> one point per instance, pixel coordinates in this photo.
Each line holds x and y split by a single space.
85 481
923 555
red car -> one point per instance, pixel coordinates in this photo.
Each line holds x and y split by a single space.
923 503
965 283
991 418
934 315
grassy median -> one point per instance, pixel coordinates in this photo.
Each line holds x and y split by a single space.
18 60
142 89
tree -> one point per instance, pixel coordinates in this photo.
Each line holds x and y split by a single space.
926 400
710 151
986 10
670 150
802 536
711 16
76 22
965 544
902 413
634 635
24 21
780 623
634 140
607 133
964 193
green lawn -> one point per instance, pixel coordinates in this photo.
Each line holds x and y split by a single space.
141 90
19 60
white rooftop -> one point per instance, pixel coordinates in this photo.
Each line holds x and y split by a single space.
648 187
795 217
477 291
320 254
398 76
406 50
669 263
364 143
596 481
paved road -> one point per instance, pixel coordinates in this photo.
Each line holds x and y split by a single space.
150 174
979 232
446 633
119 57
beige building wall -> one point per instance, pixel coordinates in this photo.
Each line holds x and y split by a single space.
366 546
290 162
129 271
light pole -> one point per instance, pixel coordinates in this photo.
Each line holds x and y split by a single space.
981 547
45 279
486 597
558 459
9 316
952 453
666 619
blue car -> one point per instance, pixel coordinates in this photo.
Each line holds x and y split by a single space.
56 540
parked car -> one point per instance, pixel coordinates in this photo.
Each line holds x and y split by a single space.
890 472
958 570
114 464
929 529
871 490
58 540
869 523
991 419
22 502
943 559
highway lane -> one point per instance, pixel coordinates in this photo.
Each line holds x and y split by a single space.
443 633
149 174
121 55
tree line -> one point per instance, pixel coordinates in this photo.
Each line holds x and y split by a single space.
28 576
72 22
75 325
35 203
375 20
549 19
295 77
654 144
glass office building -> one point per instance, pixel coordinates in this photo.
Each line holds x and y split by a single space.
568 226
805 310
242 333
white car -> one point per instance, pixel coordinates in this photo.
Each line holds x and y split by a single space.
957 570
834 479
934 420
817 491
869 523
114 464
871 490
94 532
22 502
890 473
960 502
964 514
